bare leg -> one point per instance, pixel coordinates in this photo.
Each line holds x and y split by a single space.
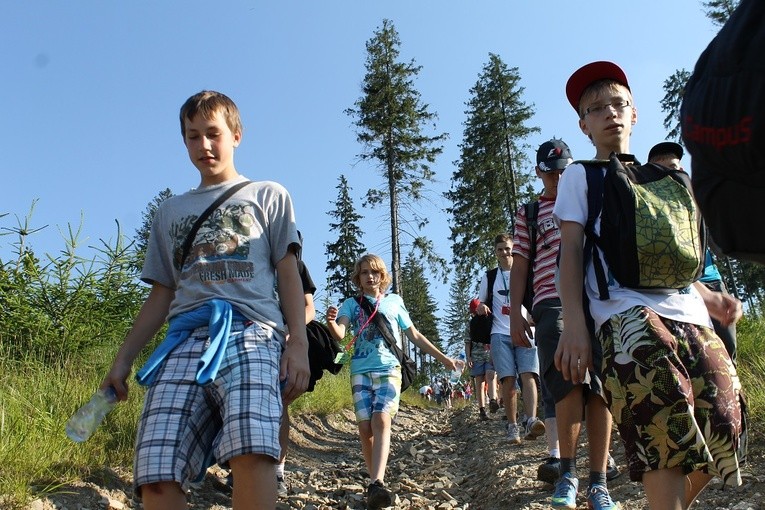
568 414
381 424
598 432
665 489
479 391
696 481
163 496
367 443
284 435
254 482
491 383
508 395
530 394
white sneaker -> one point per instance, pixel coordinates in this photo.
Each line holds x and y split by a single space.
534 428
513 433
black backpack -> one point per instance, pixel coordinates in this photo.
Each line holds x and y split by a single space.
651 232
480 325
723 127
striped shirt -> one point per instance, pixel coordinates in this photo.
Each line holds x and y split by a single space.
548 243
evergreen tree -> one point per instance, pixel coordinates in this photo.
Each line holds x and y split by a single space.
674 88
720 10
488 184
421 307
391 118
457 319
142 233
347 248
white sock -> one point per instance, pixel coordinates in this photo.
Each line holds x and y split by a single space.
280 470
555 452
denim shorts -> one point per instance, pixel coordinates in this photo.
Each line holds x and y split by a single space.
510 360
479 369
376 392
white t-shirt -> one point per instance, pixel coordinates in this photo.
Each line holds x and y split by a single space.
685 305
501 293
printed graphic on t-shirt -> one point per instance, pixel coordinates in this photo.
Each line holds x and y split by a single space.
221 248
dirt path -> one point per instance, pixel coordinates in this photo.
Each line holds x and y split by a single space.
440 460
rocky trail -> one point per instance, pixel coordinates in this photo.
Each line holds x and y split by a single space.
440 460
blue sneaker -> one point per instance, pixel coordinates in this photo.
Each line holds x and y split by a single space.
599 499
565 492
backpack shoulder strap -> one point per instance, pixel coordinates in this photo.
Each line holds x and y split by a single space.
491 277
532 212
594 173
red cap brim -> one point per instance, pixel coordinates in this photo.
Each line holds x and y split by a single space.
589 74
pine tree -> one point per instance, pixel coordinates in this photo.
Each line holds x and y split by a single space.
421 307
142 233
347 248
457 318
391 118
720 10
674 88
488 184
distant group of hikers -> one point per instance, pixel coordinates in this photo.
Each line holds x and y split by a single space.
611 260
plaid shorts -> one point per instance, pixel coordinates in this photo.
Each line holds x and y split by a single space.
184 427
674 395
376 392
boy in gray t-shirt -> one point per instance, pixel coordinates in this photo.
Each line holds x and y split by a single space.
214 383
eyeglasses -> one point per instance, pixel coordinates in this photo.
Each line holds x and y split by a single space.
618 105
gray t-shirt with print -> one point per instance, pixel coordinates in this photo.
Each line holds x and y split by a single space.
234 253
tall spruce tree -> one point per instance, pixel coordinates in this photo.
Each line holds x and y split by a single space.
421 307
489 183
347 248
457 319
391 119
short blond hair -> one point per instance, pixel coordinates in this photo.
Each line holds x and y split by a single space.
377 264
207 103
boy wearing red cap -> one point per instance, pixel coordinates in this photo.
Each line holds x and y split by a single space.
669 383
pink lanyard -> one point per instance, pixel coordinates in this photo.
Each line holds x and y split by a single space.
377 305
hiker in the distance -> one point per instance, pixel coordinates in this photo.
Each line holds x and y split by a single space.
478 358
375 370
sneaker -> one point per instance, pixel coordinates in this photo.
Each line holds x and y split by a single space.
482 414
565 492
513 433
599 499
493 406
534 428
612 471
281 487
378 496
549 471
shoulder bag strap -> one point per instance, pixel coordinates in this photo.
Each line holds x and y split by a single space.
382 324
202 217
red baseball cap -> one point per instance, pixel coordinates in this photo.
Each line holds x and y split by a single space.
589 74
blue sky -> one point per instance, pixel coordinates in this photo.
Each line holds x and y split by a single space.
92 90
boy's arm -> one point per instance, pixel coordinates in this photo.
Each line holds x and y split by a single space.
520 331
574 354
469 353
722 307
147 323
294 364
425 346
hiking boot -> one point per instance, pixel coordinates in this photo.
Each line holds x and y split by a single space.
482 414
281 487
549 471
599 499
612 471
534 428
513 433
378 496
565 492
493 406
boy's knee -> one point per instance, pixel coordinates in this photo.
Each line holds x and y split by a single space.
160 489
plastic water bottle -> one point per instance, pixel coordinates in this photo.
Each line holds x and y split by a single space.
86 420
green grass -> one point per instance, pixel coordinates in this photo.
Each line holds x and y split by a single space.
36 399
